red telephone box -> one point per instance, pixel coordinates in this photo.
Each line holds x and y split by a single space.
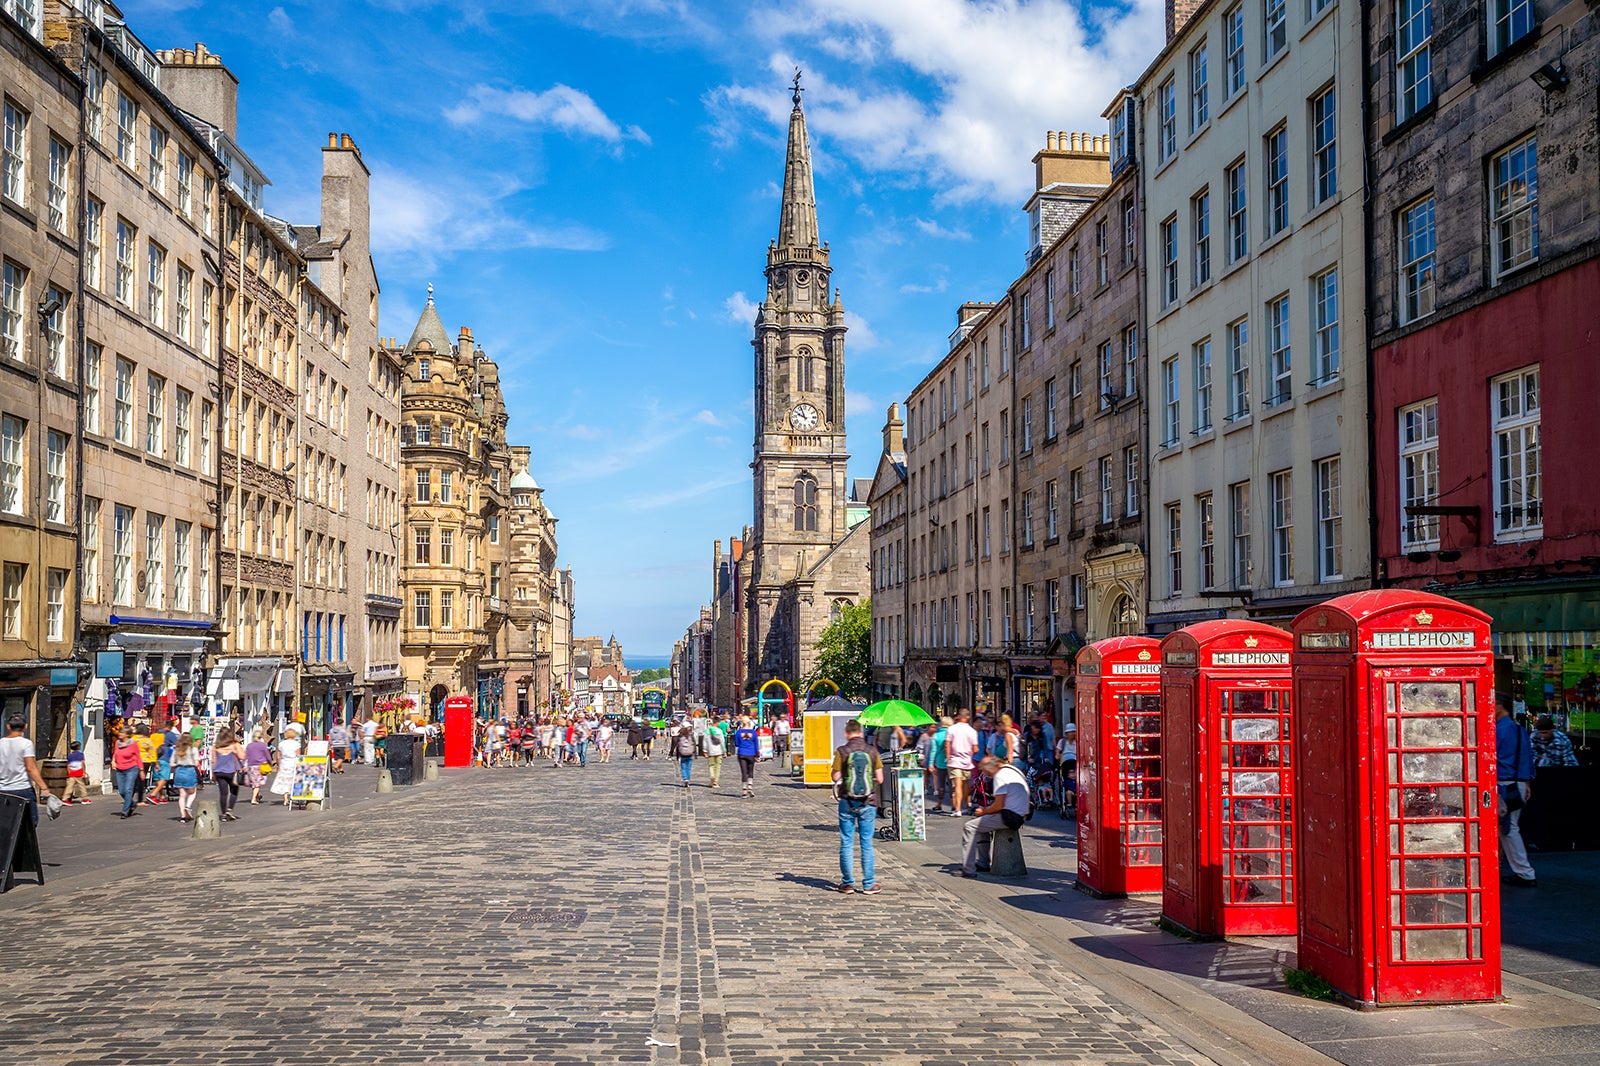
1226 773
1399 898
1119 766
458 727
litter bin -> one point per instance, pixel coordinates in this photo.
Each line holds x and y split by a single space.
405 758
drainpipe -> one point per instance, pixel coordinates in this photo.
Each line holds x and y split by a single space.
1370 286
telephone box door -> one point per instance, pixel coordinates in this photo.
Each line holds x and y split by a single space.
1437 838
1257 814
458 726
1138 723
1187 833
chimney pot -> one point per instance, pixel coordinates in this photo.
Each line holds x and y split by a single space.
1050 141
333 140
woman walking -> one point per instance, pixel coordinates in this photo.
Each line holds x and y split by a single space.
288 763
185 775
127 766
227 766
257 764
683 745
747 745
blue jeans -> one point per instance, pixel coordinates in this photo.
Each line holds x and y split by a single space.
583 753
856 818
127 781
686 767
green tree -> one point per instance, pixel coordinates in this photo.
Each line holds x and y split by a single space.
844 652
655 673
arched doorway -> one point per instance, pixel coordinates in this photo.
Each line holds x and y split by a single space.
436 698
914 693
1123 617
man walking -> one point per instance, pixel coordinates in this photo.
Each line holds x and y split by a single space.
19 769
1514 755
961 744
857 773
1008 810
716 741
369 741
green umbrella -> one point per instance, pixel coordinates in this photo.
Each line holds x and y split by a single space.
895 712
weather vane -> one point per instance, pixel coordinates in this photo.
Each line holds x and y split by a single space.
796 87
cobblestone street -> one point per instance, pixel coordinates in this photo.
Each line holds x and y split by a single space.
605 915
542 917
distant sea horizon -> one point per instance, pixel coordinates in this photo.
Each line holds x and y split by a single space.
635 663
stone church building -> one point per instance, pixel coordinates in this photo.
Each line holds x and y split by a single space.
807 555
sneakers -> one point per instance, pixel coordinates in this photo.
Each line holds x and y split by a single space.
872 889
1518 881
845 888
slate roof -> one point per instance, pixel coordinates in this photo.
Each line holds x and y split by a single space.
430 328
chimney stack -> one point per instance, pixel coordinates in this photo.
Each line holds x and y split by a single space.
894 432
1179 12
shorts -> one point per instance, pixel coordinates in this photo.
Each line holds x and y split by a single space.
960 775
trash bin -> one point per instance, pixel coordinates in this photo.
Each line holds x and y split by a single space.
404 758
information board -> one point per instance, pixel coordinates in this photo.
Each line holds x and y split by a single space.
311 774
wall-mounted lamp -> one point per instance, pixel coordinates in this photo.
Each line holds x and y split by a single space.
48 307
1552 77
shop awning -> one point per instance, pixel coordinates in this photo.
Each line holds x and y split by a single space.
284 681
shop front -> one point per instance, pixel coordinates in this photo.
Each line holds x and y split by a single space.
324 698
147 670
43 692
248 689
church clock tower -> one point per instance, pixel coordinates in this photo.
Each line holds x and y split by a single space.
801 482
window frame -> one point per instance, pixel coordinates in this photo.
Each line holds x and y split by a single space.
1523 419
1418 457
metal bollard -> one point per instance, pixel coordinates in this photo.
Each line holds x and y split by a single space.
1006 854
430 770
207 820
385 782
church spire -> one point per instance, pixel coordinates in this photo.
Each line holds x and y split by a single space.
797 226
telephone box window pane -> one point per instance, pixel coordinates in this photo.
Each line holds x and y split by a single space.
1431 945
1431 732
1436 908
1435 837
1258 730
1432 766
1436 873
1434 802
1431 697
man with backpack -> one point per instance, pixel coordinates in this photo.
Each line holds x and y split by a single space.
857 773
683 747
716 743
1008 810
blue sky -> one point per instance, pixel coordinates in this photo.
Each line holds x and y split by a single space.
591 186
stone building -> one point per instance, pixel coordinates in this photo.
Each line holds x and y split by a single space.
456 468
41 320
1484 215
562 605
152 229
804 560
1078 428
729 572
887 543
525 585
1247 131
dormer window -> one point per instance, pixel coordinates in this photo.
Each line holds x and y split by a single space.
423 370
1119 136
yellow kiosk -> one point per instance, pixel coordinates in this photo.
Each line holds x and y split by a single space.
824 733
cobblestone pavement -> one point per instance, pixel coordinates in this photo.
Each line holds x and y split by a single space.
544 916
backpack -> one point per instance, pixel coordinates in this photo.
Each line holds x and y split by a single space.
686 744
857 783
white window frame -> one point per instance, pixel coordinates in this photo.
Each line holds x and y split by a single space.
1280 356
1325 327
1324 145
1169 261
1330 520
1167 120
127 129
1417 251
1275 160
13 311
1199 88
1174 549
1132 475
1171 404
1514 207
1236 182
1205 520
1200 361
1281 494
58 209
1233 51
13 465
1200 224
1413 57
1238 369
1274 28
1239 532
14 155
1518 479
55 477
1507 22
1418 434
55 605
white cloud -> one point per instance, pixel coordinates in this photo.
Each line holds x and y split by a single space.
668 497
708 418
280 21
583 432
740 309
429 213
859 403
859 333
560 107
938 286
933 229
999 75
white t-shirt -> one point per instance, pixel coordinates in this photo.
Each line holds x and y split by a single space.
369 729
1011 786
961 740
13 767
781 728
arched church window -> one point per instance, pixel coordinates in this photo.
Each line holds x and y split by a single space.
1124 617
836 611
805 370
805 503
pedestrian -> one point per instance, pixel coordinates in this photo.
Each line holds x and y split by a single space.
369 736
939 760
1008 810
227 767
185 775
1514 754
1006 743
857 774
781 730
683 744
288 764
1551 746
747 746
716 741
603 739
19 768
158 794
77 775
148 754
1067 761
126 768
1040 761
961 745
338 747
258 764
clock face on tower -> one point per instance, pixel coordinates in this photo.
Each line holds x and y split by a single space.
804 417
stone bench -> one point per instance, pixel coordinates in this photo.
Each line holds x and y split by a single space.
1005 854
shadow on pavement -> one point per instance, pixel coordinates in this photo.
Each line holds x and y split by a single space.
808 882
